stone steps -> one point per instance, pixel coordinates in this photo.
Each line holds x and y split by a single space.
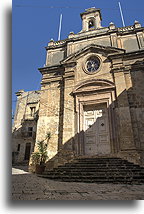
101 165
109 173
93 177
98 170
97 179
96 167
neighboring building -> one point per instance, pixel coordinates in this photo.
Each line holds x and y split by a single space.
25 125
91 97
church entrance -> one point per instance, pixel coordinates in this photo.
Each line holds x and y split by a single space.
96 130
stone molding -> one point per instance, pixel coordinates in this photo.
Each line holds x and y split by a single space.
94 33
93 85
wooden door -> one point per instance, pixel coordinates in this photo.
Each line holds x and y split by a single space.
96 130
27 151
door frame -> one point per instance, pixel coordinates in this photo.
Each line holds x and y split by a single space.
90 99
96 144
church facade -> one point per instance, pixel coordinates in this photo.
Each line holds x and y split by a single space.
91 98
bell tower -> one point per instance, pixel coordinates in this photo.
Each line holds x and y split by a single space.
91 19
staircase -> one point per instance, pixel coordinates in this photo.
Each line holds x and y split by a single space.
98 170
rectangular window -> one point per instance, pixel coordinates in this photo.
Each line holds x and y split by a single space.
30 131
33 109
18 148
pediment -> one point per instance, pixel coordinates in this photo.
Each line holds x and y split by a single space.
106 50
93 85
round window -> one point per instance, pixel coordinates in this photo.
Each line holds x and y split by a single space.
92 64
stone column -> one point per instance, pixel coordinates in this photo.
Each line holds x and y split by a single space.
126 140
68 121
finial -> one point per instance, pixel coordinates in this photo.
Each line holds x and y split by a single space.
112 26
71 34
51 42
137 24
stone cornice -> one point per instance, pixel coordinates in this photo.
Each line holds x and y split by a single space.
95 33
133 54
51 79
91 10
96 90
138 65
57 44
92 47
118 69
92 85
51 68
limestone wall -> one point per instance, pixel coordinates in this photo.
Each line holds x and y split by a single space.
49 116
130 110
22 121
136 102
103 72
68 116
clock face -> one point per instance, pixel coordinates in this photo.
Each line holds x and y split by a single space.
92 64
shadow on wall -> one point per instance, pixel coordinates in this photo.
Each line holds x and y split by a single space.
75 147
24 139
126 128
126 139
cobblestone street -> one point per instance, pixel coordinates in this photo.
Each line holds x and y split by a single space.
26 186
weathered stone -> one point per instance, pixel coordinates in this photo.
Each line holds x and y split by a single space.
91 98
30 187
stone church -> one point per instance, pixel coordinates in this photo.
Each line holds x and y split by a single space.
91 98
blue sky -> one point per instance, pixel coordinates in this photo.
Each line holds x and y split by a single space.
35 22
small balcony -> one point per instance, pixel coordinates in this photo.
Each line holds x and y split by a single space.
30 117
26 134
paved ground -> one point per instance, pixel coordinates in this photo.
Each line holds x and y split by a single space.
26 186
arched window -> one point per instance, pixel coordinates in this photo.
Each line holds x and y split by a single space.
91 24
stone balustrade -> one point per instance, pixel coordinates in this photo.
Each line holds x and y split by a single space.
124 29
